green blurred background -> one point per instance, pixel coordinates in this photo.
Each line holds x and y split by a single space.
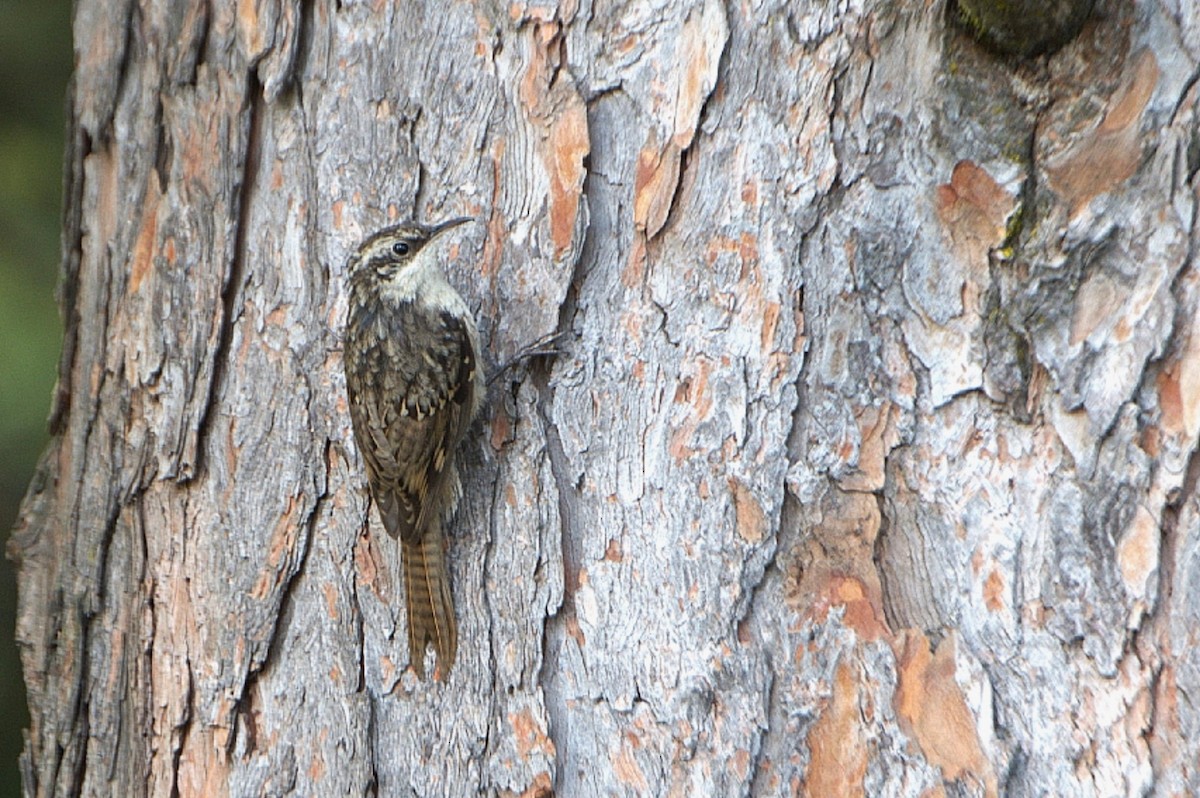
35 64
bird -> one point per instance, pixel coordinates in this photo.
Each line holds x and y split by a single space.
415 384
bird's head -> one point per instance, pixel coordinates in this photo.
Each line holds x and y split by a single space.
399 258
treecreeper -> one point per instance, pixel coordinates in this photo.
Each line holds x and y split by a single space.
414 381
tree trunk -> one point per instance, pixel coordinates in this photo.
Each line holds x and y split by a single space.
867 466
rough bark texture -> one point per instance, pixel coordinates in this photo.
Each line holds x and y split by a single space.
868 467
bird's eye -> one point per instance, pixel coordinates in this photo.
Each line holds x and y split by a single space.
400 248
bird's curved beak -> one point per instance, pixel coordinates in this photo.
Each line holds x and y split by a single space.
442 227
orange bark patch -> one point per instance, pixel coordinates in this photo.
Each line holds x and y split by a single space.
558 110
1106 157
202 148
1131 100
993 591
370 566
520 12
628 770
838 750
540 787
575 631
836 567
700 46
932 711
654 183
1179 388
493 250
501 430
1137 551
657 174
316 770
973 210
680 446
568 146
877 437
861 609
204 767
387 668
750 192
740 763
143 248
770 322
748 252
631 322
282 542
330 594
249 30
1170 398
859 601
751 520
1168 742
693 390
529 736
634 272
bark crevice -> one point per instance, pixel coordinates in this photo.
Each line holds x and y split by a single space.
235 275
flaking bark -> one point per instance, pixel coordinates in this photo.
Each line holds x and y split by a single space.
867 466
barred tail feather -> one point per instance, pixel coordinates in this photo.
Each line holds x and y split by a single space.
430 605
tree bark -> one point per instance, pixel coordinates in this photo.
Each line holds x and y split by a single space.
867 466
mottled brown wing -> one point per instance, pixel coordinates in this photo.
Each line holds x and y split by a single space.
366 412
408 423
457 354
